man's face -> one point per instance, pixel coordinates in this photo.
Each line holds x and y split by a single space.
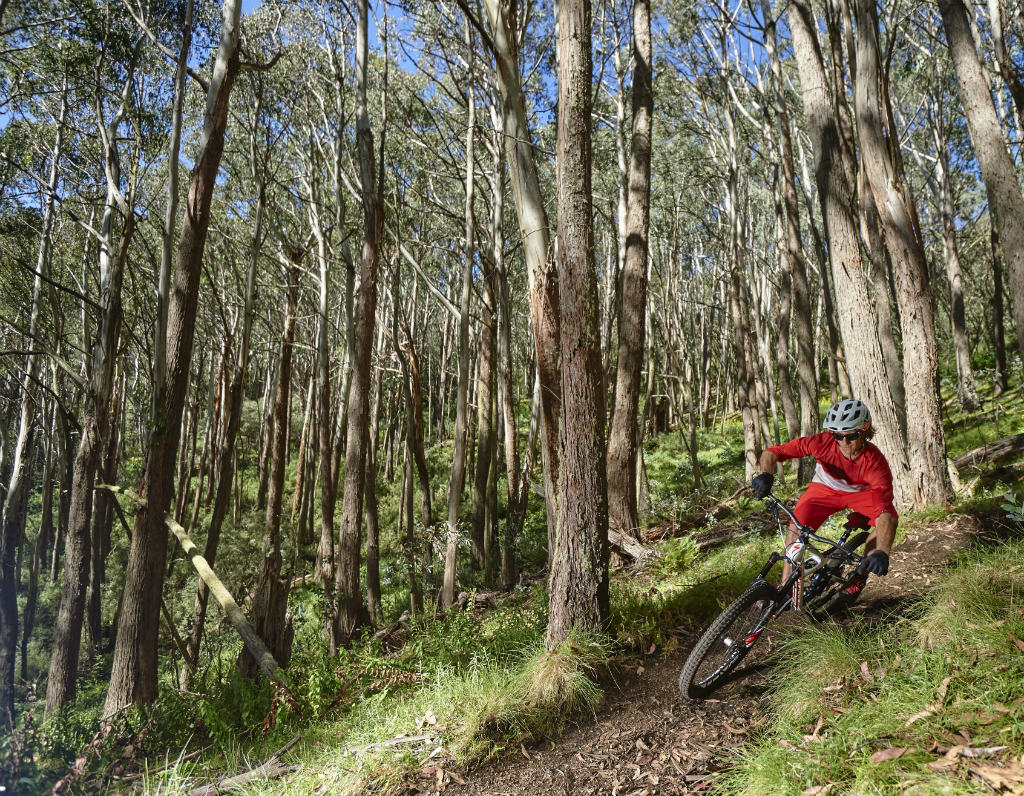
850 443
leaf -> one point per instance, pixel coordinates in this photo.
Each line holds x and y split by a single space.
922 715
865 672
1016 641
980 751
887 754
1010 778
818 790
934 707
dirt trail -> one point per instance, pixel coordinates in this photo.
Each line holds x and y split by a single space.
647 739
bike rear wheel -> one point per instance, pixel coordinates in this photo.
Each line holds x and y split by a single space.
726 642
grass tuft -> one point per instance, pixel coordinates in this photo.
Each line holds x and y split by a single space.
836 654
561 681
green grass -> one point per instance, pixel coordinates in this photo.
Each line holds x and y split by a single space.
683 591
947 675
999 416
461 714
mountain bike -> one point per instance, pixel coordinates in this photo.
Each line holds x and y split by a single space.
818 575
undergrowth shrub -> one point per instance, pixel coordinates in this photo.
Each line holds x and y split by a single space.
676 555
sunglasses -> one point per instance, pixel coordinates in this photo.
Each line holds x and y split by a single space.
846 437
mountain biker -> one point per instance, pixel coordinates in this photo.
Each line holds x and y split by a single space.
851 473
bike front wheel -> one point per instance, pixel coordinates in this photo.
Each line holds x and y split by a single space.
726 642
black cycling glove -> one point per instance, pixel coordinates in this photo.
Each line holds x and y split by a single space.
762 484
876 562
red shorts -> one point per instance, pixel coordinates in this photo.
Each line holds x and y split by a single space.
820 502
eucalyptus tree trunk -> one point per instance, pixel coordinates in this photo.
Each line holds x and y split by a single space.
266 434
837 374
270 602
997 170
351 611
372 520
883 163
323 231
624 436
486 432
578 582
784 316
96 415
14 502
67 428
171 210
102 522
744 340
616 256
415 425
807 372
134 674
458 473
998 335
325 439
857 318
536 236
415 596
338 68
226 451
1004 64
879 264
515 508
42 543
302 463
966 391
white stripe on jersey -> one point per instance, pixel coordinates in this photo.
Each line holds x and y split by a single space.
822 476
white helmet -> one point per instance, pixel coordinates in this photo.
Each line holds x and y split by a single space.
847 415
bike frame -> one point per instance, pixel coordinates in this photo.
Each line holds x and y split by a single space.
798 554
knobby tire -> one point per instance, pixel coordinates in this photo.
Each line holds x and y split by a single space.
724 644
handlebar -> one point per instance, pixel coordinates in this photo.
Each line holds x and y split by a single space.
805 531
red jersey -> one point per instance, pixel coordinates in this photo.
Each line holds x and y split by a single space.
868 474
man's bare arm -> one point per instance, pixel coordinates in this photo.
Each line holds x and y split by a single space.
768 462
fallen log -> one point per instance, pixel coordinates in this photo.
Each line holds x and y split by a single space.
386 634
271 768
481 600
220 593
695 520
628 547
991 451
400 741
